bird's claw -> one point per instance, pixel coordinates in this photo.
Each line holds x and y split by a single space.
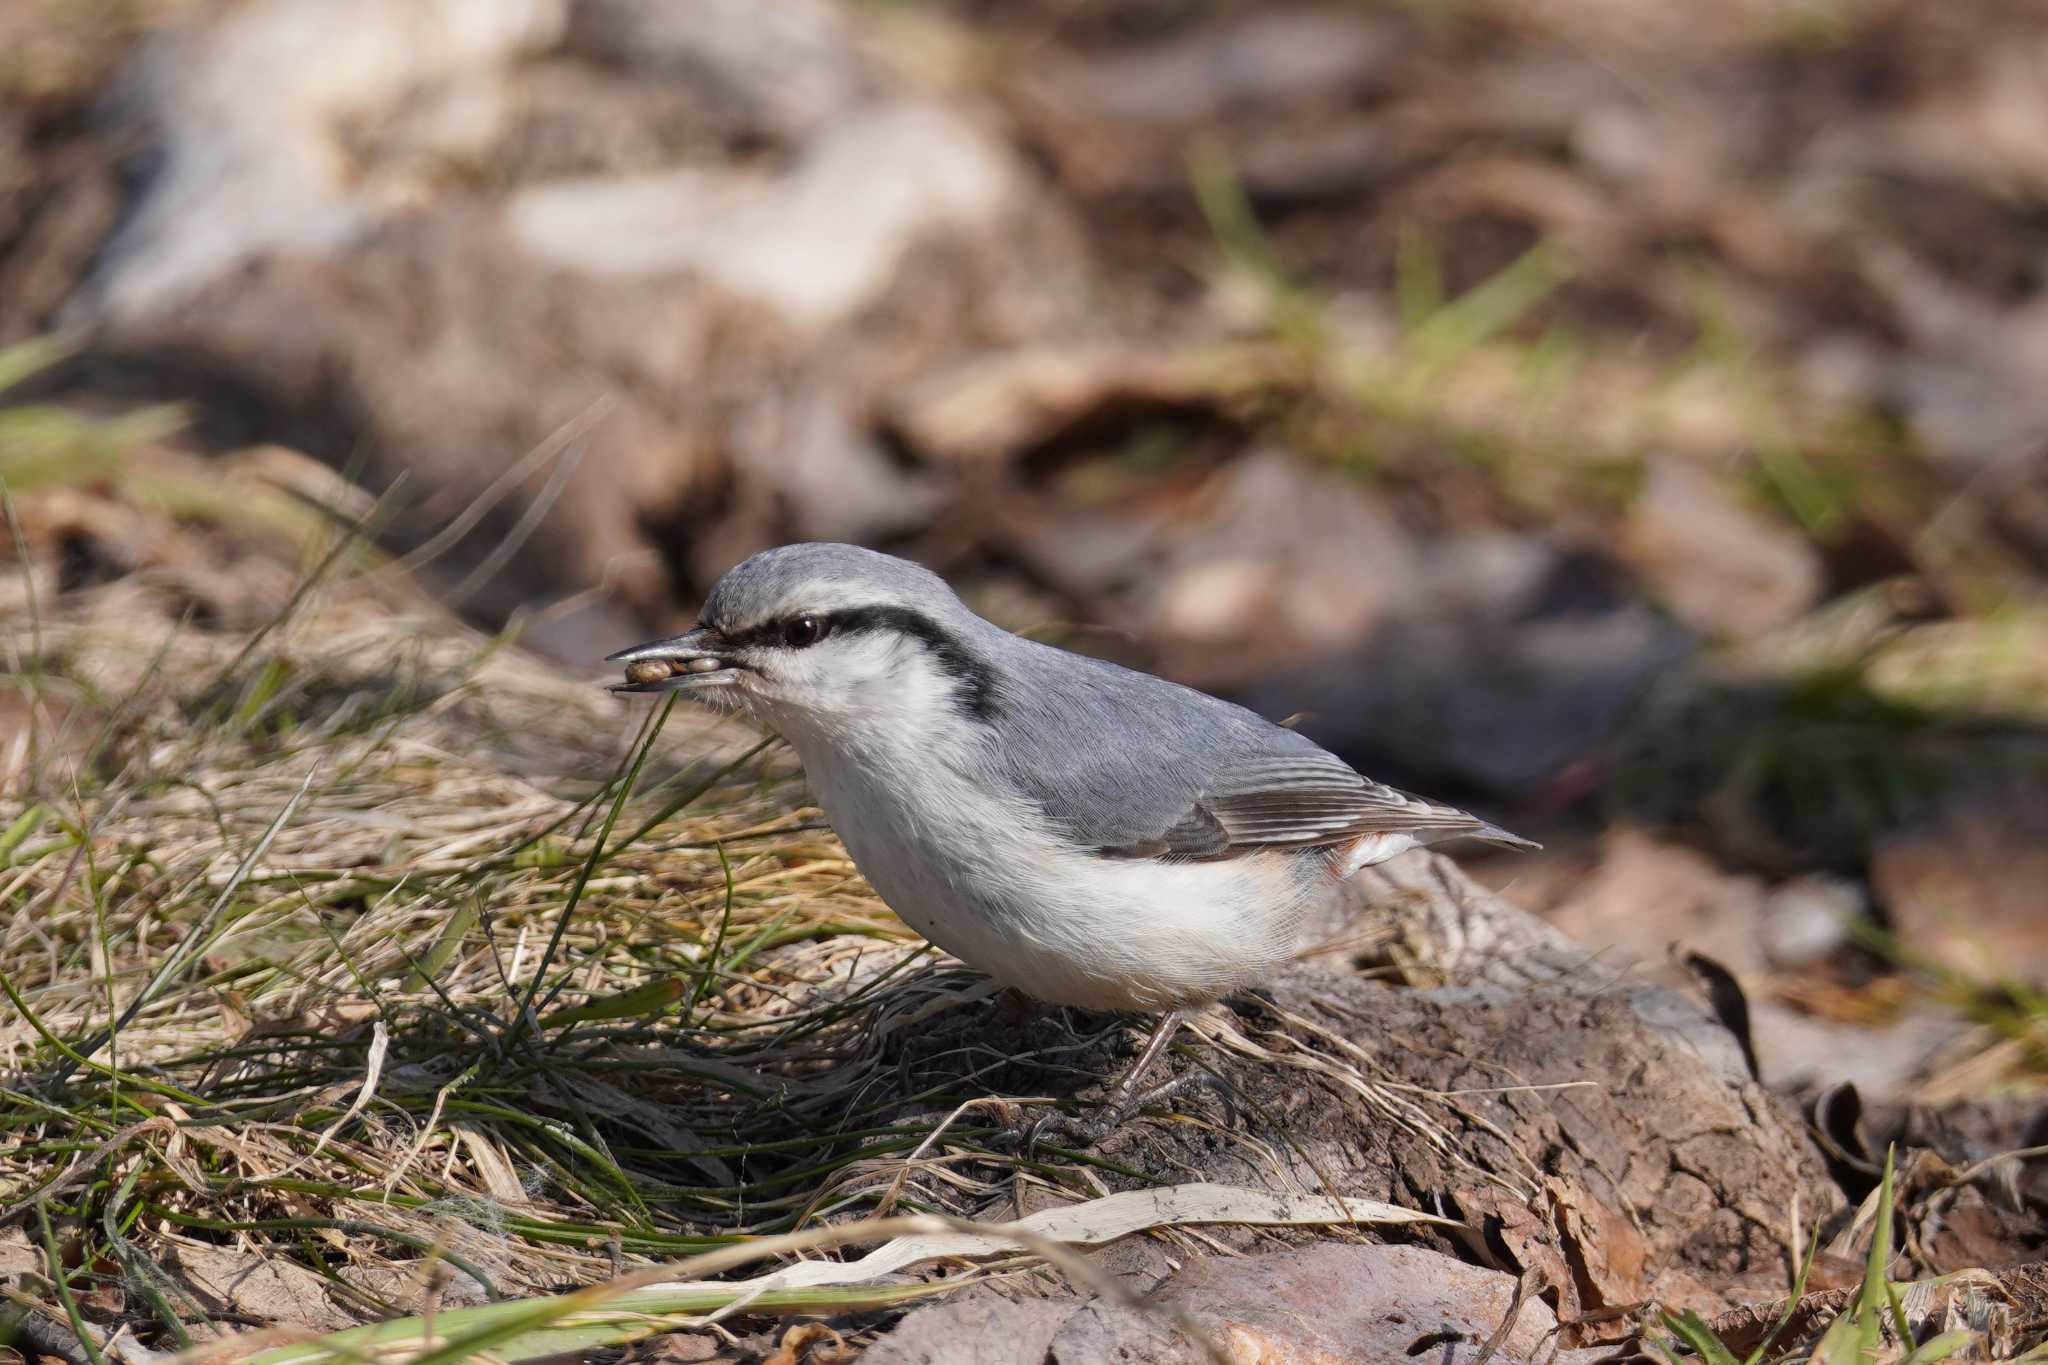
1085 1131
1076 1132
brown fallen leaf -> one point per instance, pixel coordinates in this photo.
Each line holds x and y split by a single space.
266 1288
796 1344
1602 1247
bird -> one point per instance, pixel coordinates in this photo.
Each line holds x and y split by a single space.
1087 834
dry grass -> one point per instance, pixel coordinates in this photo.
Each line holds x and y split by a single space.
364 949
346 942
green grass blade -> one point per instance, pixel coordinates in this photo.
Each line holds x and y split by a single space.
1799 1280
710 964
570 1324
1938 1348
1491 306
63 1287
196 941
27 358
1875 1297
525 1014
652 998
1842 1343
445 946
24 826
1691 1329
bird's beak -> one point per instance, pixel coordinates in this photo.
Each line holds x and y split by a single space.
680 663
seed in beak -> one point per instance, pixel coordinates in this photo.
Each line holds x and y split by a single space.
704 665
648 670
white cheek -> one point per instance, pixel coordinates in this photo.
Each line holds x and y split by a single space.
851 686
894 685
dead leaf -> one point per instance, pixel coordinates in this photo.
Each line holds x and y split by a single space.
795 1347
1606 1257
17 1257
992 407
492 1165
1526 1236
338 1019
677 1348
104 1298
267 1288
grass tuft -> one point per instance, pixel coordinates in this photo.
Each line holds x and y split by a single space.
359 948
360 940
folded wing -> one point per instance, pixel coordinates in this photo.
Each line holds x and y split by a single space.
1129 765
1292 801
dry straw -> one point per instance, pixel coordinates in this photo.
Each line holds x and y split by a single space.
366 949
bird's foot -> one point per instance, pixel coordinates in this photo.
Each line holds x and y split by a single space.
1075 1132
1084 1132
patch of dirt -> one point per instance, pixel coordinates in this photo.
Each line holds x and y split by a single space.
1311 1306
1602 1136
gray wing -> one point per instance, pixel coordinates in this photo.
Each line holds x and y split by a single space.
1131 765
1283 802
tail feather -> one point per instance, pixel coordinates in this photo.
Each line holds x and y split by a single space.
1494 834
1366 849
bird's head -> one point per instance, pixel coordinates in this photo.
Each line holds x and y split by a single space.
826 639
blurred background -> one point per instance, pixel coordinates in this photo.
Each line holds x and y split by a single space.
1625 417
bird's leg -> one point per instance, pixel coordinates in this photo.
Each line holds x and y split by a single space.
1124 1098
1121 1096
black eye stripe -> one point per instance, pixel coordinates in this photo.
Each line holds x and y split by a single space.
753 637
978 688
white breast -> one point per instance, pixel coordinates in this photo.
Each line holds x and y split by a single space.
980 874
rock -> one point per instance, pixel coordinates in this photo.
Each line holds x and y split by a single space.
999 405
1618 1119
1106 1330
782 67
979 1327
1809 918
1319 1305
244 114
815 244
570 363
1264 563
1338 1303
1643 904
1721 568
1505 660
1253 59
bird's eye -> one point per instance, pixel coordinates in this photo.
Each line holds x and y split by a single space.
799 631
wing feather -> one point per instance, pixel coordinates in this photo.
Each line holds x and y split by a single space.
1133 766
1289 803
